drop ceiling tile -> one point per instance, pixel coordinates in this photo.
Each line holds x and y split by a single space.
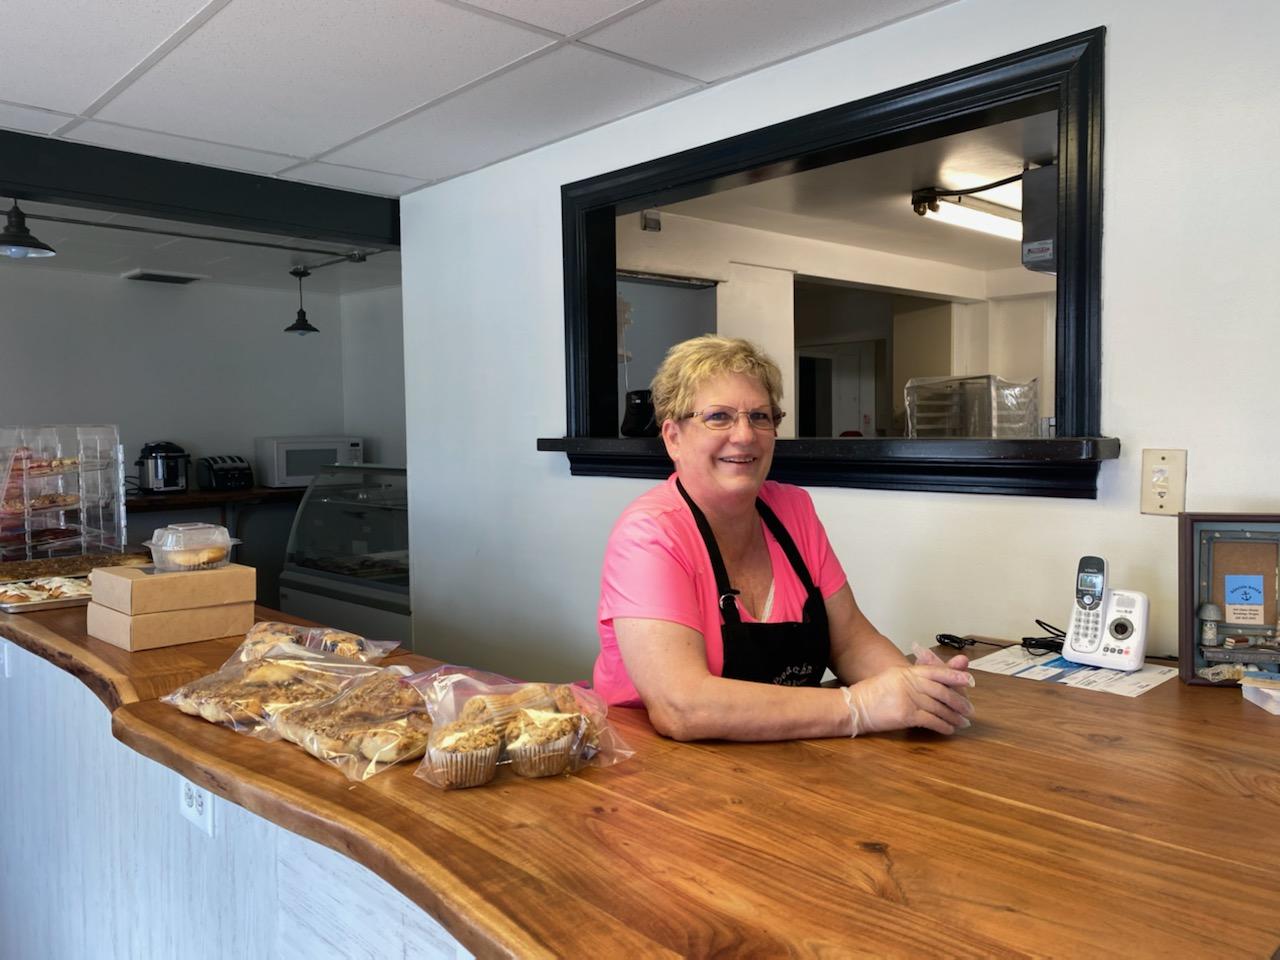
563 92
178 148
63 56
349 178
300 76
713 39
13 117
563 16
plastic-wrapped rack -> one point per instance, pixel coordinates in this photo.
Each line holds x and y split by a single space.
61 491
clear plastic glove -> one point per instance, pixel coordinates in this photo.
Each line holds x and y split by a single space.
928 694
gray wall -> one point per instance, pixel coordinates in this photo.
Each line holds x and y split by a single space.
373 373
661 316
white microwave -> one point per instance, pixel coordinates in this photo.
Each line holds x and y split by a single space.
293 461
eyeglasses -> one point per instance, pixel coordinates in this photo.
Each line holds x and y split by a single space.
722 418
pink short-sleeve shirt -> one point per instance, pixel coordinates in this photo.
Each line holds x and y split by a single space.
656 567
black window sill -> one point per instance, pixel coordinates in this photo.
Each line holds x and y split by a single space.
1062 467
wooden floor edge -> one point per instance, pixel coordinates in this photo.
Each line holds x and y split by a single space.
478 924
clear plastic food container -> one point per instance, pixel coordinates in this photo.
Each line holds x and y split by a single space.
190 546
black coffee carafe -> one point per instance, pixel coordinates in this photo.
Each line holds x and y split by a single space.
639 420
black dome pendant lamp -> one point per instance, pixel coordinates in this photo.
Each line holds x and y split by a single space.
16 240
301 326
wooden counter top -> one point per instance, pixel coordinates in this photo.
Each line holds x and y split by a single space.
1065 822
117 676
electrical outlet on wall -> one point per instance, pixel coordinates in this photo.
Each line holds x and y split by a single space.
1164 482
196 805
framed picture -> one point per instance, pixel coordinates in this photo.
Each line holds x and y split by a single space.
1228 595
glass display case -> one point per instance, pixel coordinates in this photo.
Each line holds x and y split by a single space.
347 563
63 491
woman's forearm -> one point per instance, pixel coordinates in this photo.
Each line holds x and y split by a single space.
716 708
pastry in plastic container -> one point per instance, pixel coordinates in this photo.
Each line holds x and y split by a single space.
535 729
246 695
268 634
190 546
375 722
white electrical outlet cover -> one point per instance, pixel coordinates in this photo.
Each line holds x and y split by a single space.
196 804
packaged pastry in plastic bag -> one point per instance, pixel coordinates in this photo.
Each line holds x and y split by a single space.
483 721
376 721
263 636
244 695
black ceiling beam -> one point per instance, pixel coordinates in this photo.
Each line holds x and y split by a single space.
45 170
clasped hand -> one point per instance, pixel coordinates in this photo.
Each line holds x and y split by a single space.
928 694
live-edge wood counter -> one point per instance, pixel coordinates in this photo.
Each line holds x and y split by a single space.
1066 822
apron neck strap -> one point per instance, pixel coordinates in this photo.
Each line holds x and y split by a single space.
724 590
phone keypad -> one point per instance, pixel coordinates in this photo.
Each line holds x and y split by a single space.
1086 629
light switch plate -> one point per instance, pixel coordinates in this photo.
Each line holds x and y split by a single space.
1164 482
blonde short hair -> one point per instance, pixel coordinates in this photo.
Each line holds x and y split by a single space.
690 364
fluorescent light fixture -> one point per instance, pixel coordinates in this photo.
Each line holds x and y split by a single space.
974 214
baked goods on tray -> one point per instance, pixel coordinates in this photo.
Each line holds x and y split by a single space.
246 695
377 721
78 565
41 589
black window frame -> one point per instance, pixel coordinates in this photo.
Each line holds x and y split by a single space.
1066 75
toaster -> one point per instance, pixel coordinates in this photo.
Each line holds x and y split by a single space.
224 473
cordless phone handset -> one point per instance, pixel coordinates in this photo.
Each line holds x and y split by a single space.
1085 631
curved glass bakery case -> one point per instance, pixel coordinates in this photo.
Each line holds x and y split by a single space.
347 563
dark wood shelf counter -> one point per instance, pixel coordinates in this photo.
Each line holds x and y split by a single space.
211 499
1065 821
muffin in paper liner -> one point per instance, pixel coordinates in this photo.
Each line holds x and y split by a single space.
542 743
542 759
462 754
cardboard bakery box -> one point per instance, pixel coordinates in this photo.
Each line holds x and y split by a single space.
137 590
147 631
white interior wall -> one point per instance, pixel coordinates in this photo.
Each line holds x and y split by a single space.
1017 342
922 343
206 366
373 373
507 545
756 303
689 247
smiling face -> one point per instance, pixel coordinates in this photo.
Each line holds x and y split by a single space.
722 470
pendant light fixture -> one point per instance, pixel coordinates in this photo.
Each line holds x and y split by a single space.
16 240
301 325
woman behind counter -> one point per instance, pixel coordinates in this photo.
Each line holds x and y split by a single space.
721 601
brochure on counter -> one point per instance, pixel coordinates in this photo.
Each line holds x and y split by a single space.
1017 662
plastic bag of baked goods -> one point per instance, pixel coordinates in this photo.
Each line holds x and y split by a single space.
378 720
245 695
482 721
263 636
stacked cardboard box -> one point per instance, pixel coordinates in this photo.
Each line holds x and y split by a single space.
139 609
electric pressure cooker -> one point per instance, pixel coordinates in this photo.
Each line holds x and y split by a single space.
162 468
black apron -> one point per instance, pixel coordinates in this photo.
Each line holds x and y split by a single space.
792 654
